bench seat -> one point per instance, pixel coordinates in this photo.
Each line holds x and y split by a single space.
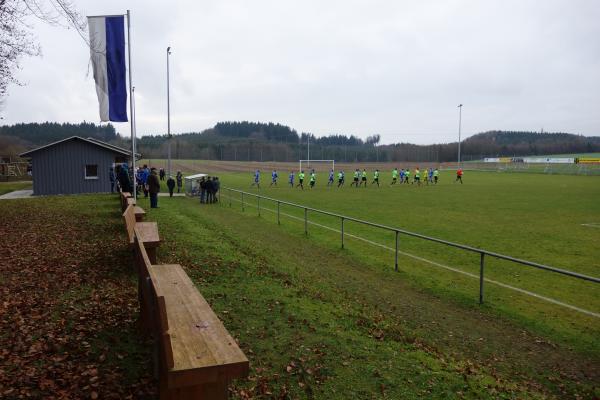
148 232
203 351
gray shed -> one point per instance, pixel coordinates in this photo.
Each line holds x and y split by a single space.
74 165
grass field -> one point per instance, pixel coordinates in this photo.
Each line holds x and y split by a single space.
320 322
535 217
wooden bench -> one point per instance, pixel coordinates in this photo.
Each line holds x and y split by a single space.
148 232
198 357
139 213
124 197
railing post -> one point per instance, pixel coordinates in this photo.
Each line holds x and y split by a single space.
229 198
278 221
396 261
306 221
342 232
481 278
258 205
242 201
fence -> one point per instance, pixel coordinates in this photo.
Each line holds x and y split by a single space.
397 232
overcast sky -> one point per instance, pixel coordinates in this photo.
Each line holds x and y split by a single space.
397 68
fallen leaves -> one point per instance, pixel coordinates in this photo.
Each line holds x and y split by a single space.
69 303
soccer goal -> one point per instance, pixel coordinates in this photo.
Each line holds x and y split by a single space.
318 165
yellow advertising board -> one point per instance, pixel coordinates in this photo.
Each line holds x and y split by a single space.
505 159
588 160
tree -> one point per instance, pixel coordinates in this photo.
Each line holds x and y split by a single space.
16 37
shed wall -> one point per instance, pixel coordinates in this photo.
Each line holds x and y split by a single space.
60 169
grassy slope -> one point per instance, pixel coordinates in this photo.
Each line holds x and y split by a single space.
318 322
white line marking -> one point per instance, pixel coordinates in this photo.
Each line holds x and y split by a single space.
592 225
494 282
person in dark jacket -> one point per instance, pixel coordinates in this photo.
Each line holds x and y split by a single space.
179 178
171 185
202 189
210 190
217 185
153 188
162 174
123 178
112 177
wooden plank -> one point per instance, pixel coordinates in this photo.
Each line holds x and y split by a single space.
148 231
139 213
203 350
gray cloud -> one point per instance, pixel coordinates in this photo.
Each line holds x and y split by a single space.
360 67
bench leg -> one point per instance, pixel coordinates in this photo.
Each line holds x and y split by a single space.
151 254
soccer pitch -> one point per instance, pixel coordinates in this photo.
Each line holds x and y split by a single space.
540 218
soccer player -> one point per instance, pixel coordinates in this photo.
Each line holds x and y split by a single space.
301 179
363 177
330 181
313 178
356 174
291 176
459 174
417 178
256 179
436 173
430 176
274 177
406 175
394 176
340 178
376 177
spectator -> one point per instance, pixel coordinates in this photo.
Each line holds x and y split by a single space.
161 173
153 188
217 185
202 189
145 176
179 178
171 185
209 190
111 176
123 178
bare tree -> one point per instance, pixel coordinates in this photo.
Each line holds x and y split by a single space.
16 32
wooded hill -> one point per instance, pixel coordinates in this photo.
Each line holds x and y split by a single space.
255 141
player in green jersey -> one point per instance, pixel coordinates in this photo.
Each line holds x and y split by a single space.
301 179
376 177
394 176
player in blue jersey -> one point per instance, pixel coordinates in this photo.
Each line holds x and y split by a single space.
330 181
291 181
402 176
256 179
274 177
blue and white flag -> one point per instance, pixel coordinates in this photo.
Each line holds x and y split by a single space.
107 48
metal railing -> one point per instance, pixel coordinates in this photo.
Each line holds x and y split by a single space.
398 232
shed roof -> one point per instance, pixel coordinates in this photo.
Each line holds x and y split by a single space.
95 142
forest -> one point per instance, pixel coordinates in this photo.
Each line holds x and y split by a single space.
256 141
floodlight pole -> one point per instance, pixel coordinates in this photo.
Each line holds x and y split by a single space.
168 115
459 126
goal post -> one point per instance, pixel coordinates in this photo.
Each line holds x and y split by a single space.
311 164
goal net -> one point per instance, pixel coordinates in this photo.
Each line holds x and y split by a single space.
317 165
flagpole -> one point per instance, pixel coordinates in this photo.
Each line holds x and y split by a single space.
131 114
